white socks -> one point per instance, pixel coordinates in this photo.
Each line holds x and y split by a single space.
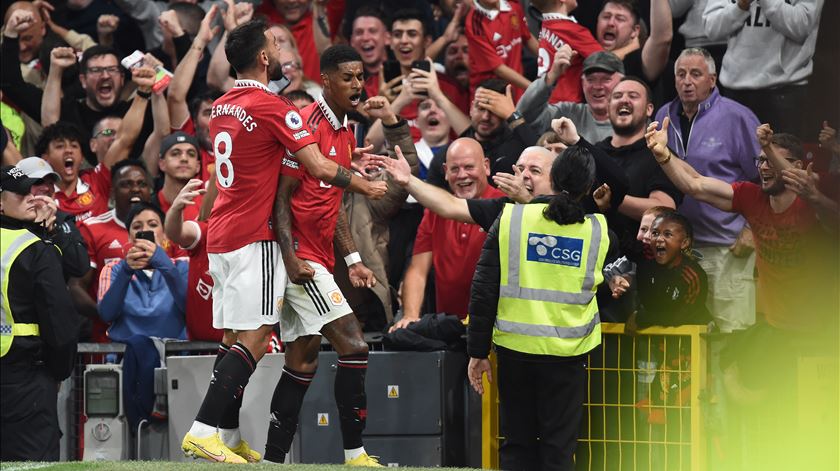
200 430
353 454
230 437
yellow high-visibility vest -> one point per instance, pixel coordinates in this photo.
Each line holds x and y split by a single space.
549 275
12 243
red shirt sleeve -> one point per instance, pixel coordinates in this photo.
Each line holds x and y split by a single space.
99 179
584 43
483 57
287 125
738 197
423 242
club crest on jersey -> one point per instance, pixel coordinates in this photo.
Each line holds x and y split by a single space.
85 199
514 21
293 120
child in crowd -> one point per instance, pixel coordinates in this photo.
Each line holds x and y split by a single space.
559 28
495 31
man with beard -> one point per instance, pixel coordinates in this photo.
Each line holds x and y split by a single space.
309 216
456 56
601 72
618 31
796 294
84 193
630 110
106 238
254 131
496 125
450 246
102 78
370 37
715 136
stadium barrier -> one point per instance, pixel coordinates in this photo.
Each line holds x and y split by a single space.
644 406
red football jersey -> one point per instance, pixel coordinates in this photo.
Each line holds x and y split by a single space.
453 92
253 130
107 240
314 203
495 38
190 212
304 36
558 29
455 248
90 198
200 289
207 160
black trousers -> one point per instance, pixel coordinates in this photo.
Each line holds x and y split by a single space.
541 406
28 415
782 107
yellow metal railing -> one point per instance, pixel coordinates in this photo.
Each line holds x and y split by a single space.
654 423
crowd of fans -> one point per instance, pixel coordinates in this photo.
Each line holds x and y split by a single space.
493 91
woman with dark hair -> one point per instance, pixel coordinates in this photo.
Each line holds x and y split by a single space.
145 293
533 297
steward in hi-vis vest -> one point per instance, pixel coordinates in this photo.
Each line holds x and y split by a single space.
38 326
533 297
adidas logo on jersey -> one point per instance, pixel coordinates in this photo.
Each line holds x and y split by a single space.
115 244
496 37
332 151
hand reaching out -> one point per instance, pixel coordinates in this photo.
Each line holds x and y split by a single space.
206 30
62 57
602 196
803 182
657 140
187 195
562 61
170 24
398 168
144 77
107 24
513 185
828 138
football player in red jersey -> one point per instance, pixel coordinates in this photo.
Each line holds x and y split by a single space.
253 131
309 214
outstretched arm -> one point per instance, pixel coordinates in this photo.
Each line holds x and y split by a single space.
436 199
710 190
132 122
658 45
328 171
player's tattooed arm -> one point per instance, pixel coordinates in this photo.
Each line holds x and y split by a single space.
342 177
343 236
299 271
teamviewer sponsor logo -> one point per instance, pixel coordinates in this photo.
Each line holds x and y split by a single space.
558 250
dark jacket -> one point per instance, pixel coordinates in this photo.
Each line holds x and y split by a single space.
75 261
484 295
503 152
38 295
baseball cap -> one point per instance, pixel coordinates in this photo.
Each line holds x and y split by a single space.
36 167
13 179
177 137
603 61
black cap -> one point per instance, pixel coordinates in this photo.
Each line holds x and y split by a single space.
177 137
13 179
603 61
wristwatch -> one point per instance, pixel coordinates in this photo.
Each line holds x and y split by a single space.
516 115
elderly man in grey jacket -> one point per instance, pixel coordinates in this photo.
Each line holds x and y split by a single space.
601 71
369 220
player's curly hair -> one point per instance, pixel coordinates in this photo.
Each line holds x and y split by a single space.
56 132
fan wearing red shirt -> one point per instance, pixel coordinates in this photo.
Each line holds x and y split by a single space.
451 247
302 17
495 31
409 39
253 131
82 193
309 215
179 162
558 28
